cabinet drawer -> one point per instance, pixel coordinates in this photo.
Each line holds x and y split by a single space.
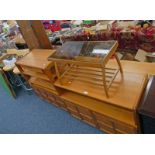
61 103
124 128
43 94
70 106
103 119
63 107
88 120
59 100
84 111
75 114
116 126
52 102
51 97
106 128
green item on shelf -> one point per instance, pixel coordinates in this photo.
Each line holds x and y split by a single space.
5 85
87 22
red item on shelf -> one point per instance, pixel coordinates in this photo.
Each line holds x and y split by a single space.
55 27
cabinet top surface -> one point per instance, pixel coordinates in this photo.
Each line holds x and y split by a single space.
134 66
124 92
36 58
71 50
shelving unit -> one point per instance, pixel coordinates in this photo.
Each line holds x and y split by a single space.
37 70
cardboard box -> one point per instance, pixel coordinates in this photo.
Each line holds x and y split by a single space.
141 55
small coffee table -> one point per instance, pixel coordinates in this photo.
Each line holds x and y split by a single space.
86 61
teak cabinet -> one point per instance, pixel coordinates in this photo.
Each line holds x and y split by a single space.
106 122
116 114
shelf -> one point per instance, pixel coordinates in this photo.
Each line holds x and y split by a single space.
36 74
89 75
121 91
43 84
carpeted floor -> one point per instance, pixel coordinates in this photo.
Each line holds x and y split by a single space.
29 114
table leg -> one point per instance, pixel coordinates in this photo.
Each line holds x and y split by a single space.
119 63
104 81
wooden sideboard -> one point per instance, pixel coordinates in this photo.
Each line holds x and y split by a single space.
116 114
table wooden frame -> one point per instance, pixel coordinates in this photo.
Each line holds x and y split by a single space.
84 63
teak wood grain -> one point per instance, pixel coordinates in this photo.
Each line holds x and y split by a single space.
121 91
37 58
116 114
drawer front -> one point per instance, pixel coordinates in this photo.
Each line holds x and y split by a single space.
43 93
88 120
103 119
84 111
113 125
124 128
80 113
61 103
51 97
106 128
103 122
75 114
51 102
47 96
71 106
